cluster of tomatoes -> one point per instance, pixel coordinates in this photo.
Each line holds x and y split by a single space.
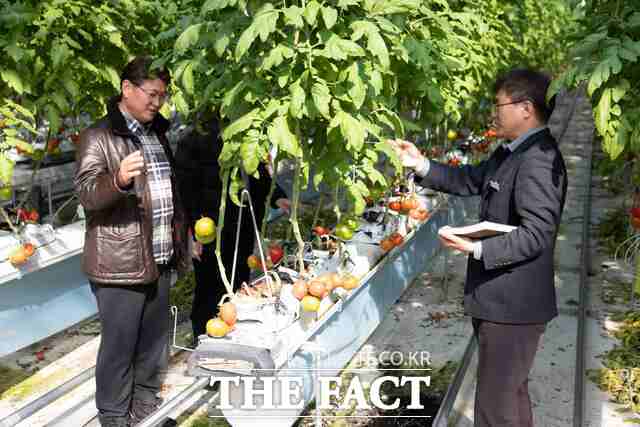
390 242
409 206
344 230
27 215
275 253
311 293
21 254
225 322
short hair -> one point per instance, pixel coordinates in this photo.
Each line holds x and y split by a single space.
526 84
139 70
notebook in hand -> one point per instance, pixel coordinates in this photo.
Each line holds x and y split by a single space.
479 230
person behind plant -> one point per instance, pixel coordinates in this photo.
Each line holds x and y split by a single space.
135 235
509 290
201 189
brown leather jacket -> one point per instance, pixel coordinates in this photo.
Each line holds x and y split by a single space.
118 246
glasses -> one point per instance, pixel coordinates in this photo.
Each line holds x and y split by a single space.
496 106
160 97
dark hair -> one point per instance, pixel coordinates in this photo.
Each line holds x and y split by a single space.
521 84
139 70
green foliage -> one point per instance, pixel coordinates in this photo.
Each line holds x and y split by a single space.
181 294
605 60
317 81
613 230
621 374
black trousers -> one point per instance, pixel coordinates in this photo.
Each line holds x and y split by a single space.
505 356
209 286
133 354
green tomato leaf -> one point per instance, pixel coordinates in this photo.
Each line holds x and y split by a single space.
235 187
187 79
180 104
602 112
330 16
352 131
229 152
59 52
389 152
6 169
249 155
240 125
13 80
321 98
280 135
599 77
231 95
619 91
311 12
54 117
266 21
188 38
245 41
296 107
111 75
293 16
358 90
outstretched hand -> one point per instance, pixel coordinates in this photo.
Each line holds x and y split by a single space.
408 153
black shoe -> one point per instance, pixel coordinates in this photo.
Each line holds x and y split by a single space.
112 421
141 409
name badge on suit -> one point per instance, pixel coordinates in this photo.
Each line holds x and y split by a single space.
494 185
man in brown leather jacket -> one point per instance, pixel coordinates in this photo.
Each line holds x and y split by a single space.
134 235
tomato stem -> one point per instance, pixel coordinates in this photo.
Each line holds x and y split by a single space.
294 215
267 202
6 217
36 169
221 212
316 214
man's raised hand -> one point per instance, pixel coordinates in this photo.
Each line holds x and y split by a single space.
130 167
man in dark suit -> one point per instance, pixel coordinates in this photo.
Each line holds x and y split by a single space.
509 290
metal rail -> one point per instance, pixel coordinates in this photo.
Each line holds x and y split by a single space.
160 416
578 401
444 412
46 399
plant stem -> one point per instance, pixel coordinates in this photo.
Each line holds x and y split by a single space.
221 212
316 214
6 218
336 202
267 202
294 215
36 169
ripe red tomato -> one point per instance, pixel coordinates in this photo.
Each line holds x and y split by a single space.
386 245
409 203
395 206
318 230
396 239
275 253
635 212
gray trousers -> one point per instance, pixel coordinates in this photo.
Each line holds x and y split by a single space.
133 354
505 357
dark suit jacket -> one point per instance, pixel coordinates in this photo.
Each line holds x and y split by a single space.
514 280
